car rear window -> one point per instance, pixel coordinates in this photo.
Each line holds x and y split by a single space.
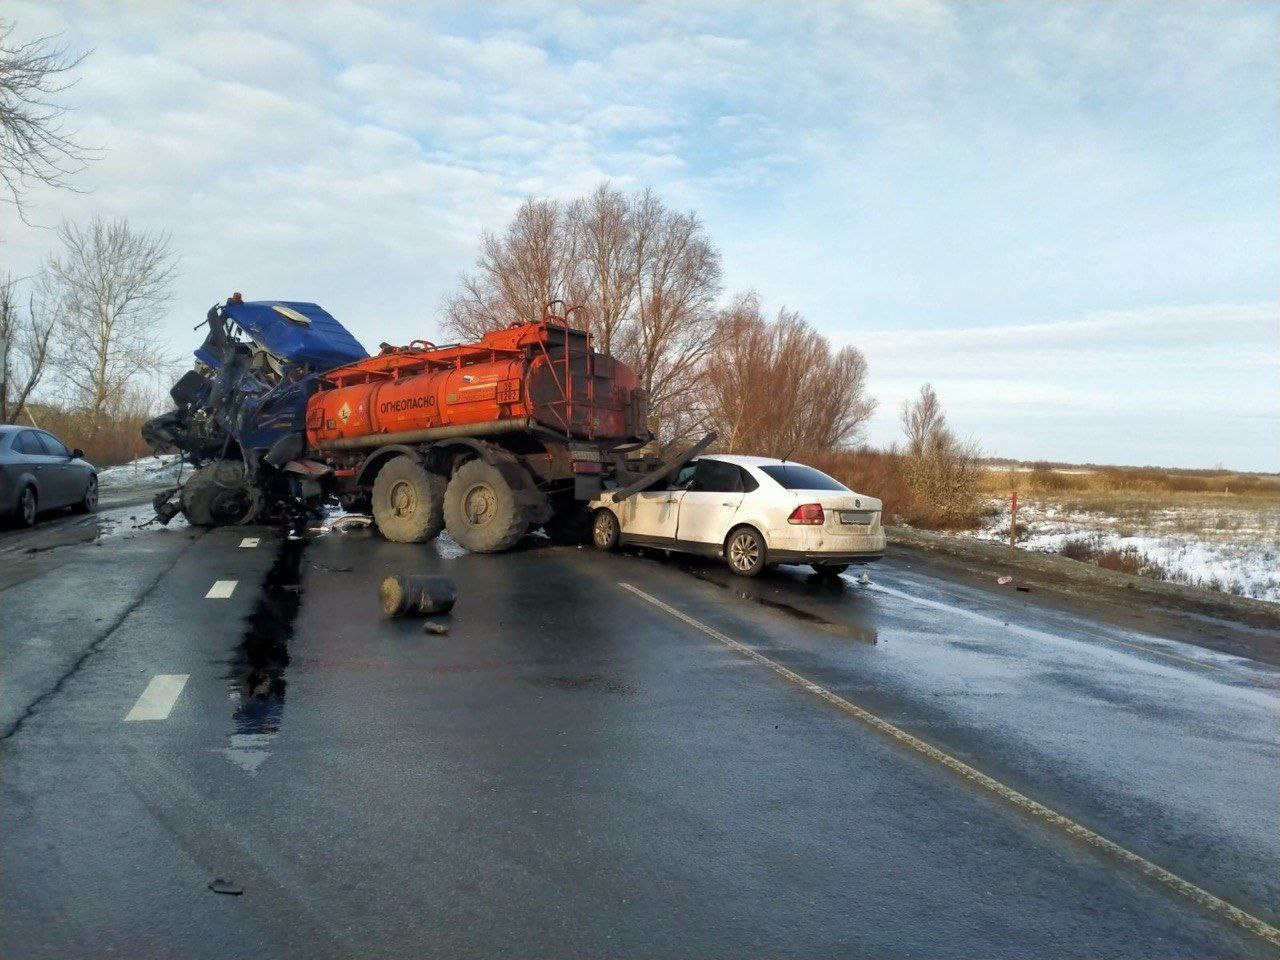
796 476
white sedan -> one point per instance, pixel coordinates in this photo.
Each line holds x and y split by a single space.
753 511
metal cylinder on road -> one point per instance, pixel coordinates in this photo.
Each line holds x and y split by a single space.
405 594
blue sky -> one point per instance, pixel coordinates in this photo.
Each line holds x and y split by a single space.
1064 216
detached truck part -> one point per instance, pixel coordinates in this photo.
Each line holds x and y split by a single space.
489 439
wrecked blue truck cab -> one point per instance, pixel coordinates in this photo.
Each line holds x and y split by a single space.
240 414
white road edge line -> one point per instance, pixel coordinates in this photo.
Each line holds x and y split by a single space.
158 699
221 589
249 542
1202 898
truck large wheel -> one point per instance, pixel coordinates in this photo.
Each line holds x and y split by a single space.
480 509
408 501
217 495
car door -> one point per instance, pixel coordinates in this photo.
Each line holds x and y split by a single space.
62 471
36 463
708 506
652 514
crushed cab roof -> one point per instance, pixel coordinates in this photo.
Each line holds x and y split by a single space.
299 332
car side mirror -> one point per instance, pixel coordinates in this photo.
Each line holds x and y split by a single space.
77 453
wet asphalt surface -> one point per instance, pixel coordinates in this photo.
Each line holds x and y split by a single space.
574 770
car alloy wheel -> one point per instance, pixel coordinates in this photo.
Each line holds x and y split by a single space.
745 552
27 507
91 494
604 530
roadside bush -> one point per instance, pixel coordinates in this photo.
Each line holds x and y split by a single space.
117 439
1128 560
875 472
944 473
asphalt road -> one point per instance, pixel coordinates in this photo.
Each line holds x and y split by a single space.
607 755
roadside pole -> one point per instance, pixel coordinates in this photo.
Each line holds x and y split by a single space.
1013 523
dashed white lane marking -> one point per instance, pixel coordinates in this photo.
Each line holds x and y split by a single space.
221 589
158 699
1202 898
249 542
1035 634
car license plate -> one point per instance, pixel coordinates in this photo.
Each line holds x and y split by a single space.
862 517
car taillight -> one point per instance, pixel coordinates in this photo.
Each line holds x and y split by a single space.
806 513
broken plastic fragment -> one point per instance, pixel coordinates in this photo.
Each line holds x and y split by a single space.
1004 581
226 887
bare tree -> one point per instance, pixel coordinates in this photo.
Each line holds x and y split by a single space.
517 273
110 284
25 333
943 470
34 145
778 389
647 276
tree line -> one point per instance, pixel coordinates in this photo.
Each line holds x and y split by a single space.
79 341
649 281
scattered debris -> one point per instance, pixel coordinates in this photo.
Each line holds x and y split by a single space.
863 579
1023 589
348 521
328 569
1004 581
434 626
410 593
226 887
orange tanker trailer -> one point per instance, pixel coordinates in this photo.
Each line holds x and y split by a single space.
487 439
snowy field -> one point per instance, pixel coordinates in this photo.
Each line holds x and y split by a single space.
1224 543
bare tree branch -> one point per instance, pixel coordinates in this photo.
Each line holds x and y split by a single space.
34 146
25 337
648 277
776 388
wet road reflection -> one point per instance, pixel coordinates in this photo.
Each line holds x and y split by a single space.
765 589
257 665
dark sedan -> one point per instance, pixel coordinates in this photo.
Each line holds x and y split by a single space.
38 472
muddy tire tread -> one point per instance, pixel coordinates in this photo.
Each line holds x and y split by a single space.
507 527
429 487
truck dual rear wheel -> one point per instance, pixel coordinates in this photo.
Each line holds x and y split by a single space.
408 501
480 509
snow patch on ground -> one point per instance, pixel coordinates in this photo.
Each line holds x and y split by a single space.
1235 551
145 471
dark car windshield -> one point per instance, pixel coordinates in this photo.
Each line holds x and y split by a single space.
796 476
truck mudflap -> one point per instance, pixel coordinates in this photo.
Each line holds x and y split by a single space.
664 470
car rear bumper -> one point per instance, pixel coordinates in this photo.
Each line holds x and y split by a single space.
822 559
822 545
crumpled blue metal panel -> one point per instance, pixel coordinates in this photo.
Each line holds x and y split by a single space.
317 338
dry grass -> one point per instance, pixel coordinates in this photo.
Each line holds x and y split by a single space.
1124 559
887 474
117 440
1092 478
